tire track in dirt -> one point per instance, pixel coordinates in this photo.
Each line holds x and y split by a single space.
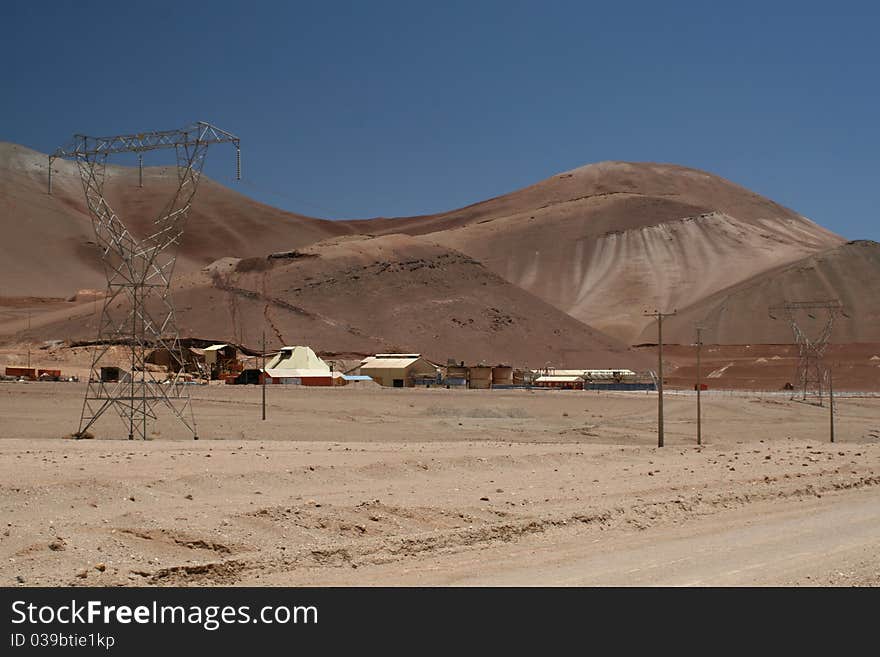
234 291
176 539
366 551
266 308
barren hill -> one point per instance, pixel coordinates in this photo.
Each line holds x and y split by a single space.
531 274
607 241
366 295
739 314
48 246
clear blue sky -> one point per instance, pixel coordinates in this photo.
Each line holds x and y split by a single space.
361 109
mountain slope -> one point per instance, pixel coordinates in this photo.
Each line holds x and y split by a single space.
739 314
607 241
48 245
589 249
368 295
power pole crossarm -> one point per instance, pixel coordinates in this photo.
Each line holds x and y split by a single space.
198 134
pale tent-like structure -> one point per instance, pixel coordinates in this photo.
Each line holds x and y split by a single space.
301 365
297 358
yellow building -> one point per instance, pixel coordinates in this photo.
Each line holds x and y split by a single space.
397 370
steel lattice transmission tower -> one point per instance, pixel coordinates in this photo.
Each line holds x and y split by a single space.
811 349
138 310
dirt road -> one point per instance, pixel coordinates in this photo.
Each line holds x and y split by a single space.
834 540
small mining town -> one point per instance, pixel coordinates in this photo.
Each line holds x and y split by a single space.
299 365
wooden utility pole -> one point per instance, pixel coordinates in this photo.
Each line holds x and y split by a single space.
699 386
263 371
831 404
659 317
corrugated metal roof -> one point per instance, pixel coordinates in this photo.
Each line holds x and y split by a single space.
558 379
387 363
608 372
592 373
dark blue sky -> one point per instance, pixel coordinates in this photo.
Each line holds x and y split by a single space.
359 109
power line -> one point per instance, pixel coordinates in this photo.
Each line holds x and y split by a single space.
287 197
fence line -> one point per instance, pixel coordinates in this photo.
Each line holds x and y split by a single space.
769 393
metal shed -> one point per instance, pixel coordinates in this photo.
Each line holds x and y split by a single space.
562 381
397 370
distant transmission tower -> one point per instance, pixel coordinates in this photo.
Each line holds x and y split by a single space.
810 373
139 270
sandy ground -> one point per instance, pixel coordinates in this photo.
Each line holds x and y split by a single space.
435 487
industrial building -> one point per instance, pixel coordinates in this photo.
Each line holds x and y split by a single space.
163 357
301 366
621 379
561 381
479 377
29 373
32 374
221 360
456 375
399 370
502 376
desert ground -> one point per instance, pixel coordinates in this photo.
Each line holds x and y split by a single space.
372 486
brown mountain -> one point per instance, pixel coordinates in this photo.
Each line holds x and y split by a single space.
541 275
48 245
360 295
607 241
739 314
